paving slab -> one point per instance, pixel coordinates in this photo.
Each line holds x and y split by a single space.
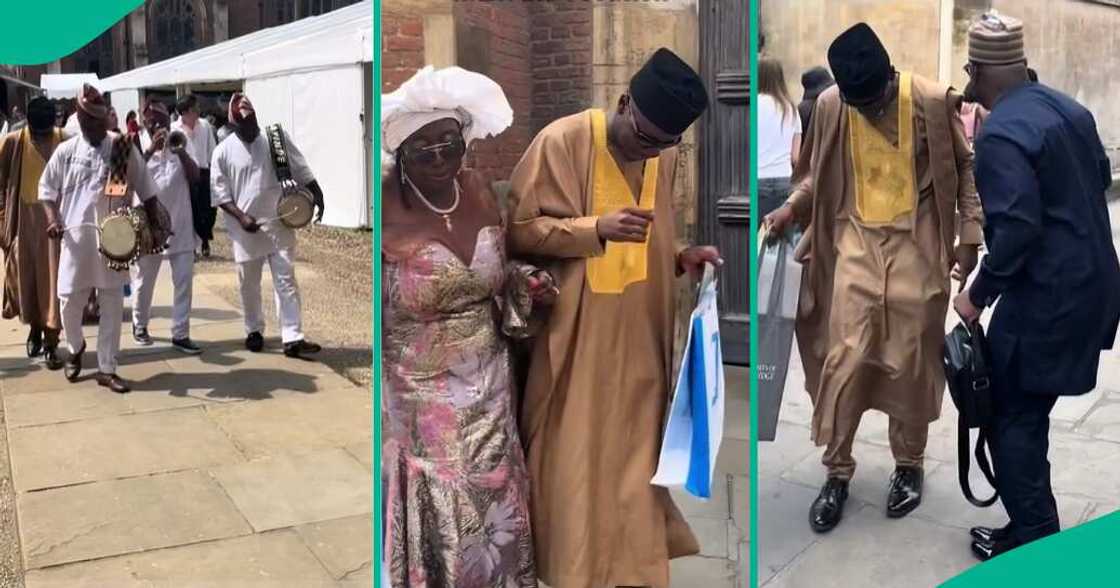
863 551
62 406
1102 422
115 447
276 559
332 418
343 546
289 490
693 572
124 516
363 452
783 527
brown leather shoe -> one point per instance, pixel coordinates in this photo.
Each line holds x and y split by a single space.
112 382
74 364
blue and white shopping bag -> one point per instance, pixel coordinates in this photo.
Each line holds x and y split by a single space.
695 428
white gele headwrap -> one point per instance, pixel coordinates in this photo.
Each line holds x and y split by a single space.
476 101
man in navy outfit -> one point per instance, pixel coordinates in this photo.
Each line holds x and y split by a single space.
1042 174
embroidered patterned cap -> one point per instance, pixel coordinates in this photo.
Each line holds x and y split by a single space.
996 39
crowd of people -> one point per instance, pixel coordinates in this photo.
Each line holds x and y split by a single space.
60 180
496 480
898 181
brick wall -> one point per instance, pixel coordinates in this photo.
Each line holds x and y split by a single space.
561 59
402 48
493 38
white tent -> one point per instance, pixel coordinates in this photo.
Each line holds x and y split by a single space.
66 85
313 76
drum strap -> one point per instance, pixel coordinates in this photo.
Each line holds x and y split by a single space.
116 185
279 153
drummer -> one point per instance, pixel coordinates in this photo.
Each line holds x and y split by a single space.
73 189
243 184
174 174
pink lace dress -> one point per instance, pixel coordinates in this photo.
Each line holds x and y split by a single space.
456 484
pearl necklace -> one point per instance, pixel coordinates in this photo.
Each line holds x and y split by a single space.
443 212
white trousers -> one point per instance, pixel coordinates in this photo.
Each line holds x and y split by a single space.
111 303
144 276
281 265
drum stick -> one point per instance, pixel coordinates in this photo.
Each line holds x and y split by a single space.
276 218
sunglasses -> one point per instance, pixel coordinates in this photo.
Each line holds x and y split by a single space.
647 140
452 149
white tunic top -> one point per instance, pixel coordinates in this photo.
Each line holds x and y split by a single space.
200 142
74 179
244 175
175 195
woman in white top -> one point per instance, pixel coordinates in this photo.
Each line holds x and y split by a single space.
779 136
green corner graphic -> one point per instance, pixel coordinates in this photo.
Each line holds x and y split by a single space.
46 30
1081 556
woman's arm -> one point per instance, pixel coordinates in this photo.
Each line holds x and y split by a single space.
795 153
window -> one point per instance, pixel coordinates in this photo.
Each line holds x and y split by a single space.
172 27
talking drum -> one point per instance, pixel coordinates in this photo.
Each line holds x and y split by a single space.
119 239
295 209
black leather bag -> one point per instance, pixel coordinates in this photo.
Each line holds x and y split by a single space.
969 376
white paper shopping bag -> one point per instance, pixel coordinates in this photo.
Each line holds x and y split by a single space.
695 428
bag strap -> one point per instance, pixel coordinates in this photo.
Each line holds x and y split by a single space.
279 153
964 462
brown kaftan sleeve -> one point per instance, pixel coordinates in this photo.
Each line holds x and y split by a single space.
546 198
970 227
801 198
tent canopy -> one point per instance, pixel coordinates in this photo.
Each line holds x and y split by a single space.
340 37
66 85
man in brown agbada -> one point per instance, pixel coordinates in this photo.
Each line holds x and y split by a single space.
30 256
592 202
884 172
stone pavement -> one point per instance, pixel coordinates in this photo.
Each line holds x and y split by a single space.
931 544
722 524
227 469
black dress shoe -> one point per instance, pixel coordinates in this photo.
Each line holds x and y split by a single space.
112 382
254 342
50 356
300 348
74 364
905 491
828 508
988 534
985 550
34 343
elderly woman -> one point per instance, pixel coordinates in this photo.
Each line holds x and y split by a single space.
456 486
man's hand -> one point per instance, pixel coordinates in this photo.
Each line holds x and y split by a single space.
629 225
692 260
320 206
248 223
776 222
159 139
966 258
965 308
542 289
55 230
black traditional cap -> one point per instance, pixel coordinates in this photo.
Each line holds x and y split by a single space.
668 92
815 81
861 64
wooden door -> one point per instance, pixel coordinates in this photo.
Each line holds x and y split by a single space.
724 157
